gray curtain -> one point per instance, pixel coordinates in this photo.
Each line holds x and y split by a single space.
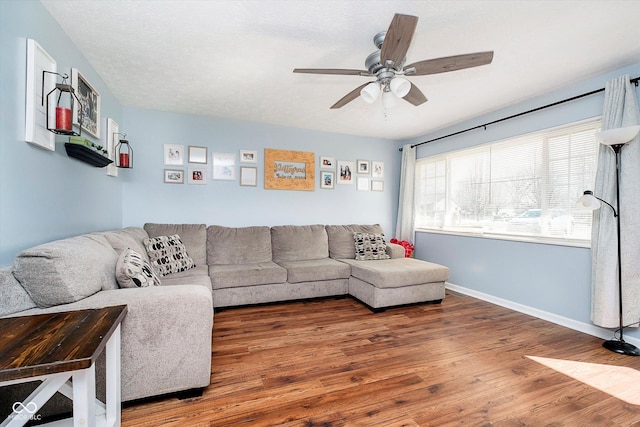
620 110
405 227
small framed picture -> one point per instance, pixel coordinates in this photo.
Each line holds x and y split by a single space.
327 162
363 184
89 102
174 176
377 169
173 154
248 176
364 167
224 166
377 185
197 154
326 179
197 175
248 156
345 171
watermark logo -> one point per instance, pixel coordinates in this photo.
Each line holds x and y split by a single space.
26 412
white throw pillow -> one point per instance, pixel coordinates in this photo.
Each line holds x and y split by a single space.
133 271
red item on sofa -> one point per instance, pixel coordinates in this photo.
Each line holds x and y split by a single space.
408 247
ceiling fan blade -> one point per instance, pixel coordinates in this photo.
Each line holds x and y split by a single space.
398 38
450 63
332 71
349 97
415 96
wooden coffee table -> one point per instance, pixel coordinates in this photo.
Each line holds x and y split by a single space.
55 348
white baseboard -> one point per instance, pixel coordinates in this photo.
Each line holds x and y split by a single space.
586 328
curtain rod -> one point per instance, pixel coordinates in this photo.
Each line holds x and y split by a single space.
634 81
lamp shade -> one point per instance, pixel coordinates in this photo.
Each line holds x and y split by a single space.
617 135
370 92
400 87
588 201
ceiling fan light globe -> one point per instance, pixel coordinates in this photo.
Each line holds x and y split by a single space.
370 92
400 87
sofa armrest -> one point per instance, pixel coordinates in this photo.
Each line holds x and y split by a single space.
166 336
395 251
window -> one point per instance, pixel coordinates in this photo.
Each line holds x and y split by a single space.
525 186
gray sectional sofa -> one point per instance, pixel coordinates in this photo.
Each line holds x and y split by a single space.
166 335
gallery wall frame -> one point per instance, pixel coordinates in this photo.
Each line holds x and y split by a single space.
377 185
224 166
289 170
198 154
377 169
363 167
173 154
174 176
197 175
327 162
248 156
346 169
362 183
248 176
327 180
90 100
38 60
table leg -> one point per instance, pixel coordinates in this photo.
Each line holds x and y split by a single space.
113 396
84 397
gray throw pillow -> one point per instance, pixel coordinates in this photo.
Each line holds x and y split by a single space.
370 246
168 254
133 271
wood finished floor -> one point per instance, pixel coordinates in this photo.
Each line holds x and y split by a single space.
335 363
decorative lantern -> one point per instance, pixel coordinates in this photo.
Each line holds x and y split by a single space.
124 153
63 98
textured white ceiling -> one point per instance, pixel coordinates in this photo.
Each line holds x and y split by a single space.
234 58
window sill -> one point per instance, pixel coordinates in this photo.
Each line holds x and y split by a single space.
478 233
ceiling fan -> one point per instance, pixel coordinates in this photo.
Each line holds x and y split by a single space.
387 65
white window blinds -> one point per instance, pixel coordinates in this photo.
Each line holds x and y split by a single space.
524 186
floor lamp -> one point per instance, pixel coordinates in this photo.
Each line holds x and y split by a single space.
616 139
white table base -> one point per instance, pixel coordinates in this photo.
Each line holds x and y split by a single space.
87 410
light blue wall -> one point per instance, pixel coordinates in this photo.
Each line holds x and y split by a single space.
45 195
554 279
148 199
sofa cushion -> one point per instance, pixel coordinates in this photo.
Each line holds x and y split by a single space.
341 245
194 276
370 246
299 242
398 272
66 270
315 270
133 271
233 276
242 245
168 254
194 237
13 297
127 238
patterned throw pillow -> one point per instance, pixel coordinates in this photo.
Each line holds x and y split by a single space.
168 254
370 246
133 271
